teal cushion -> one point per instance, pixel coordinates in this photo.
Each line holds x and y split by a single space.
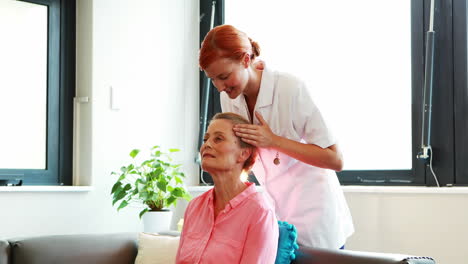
287 244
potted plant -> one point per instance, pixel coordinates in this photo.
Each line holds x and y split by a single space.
156 183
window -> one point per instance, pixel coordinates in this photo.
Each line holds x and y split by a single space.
37 88
348 66
364 63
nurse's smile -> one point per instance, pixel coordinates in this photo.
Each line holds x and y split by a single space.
230 91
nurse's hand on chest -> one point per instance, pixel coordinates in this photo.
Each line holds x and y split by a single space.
257 135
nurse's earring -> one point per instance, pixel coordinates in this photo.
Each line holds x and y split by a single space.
276 161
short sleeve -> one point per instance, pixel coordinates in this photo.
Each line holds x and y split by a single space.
308 121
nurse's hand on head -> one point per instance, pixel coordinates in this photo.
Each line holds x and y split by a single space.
257 135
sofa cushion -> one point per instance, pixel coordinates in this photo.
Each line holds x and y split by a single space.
76 249
156 249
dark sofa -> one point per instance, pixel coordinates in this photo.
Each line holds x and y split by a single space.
121 248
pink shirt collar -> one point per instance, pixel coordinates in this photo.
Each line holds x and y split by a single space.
234 202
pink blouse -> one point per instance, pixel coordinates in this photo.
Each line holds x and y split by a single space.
246 231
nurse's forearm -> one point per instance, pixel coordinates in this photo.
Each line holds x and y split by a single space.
327 158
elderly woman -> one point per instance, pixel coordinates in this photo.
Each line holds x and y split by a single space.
231 223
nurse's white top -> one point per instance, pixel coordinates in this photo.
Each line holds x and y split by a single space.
309 197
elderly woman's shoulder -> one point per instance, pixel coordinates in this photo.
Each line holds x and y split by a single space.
258 202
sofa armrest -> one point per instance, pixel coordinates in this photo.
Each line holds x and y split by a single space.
4 252
120 248
306 255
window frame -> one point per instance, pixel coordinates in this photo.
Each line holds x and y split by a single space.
60 93
449 102
460 44
214 104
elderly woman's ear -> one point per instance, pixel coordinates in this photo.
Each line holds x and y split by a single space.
245 154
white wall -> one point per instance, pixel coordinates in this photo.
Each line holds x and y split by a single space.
427 224
148 51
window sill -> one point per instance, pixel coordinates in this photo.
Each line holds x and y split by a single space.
404 189
375 189
46 188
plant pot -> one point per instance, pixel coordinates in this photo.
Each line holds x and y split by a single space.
157 221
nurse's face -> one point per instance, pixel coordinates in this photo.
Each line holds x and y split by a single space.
221 149
228 76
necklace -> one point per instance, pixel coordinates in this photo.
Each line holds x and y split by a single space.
276 161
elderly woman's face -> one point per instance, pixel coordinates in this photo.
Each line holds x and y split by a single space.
221 149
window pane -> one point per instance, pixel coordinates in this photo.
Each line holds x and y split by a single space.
23 85
355 57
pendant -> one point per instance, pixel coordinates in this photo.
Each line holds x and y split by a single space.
276 161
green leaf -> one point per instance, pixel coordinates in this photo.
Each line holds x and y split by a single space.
142 180
134 173
140 185
143 212
134 153
144 195
122 177
117 185
122 205
178 192
154 196
152 176
127 187
171 200
174 150
155 147
147 162
119 196
178 180
162 185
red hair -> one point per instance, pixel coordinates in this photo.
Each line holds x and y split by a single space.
226 41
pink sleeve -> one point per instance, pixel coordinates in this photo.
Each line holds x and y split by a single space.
262 241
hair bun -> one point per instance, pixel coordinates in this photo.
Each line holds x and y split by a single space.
255 48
